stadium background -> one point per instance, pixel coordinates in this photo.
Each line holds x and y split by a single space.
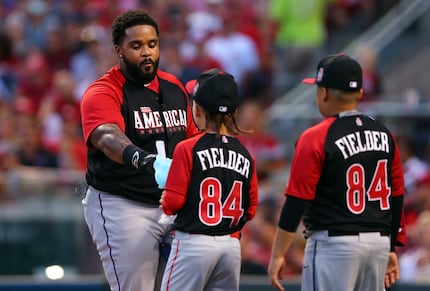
51 49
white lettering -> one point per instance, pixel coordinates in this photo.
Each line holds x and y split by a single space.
369 140
215 157
202 157
157 118
355 143
352 143
218 158
183 117
148 119
138 124
341 146
173 119
384 141
174 115
167 119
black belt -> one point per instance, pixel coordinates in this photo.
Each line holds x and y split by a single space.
342 233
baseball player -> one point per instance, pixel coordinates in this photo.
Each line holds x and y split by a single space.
125 114
346 181
212 188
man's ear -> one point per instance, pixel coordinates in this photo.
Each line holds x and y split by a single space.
324 94
360 95
117 50
198 111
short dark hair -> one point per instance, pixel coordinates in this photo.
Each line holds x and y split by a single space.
129 19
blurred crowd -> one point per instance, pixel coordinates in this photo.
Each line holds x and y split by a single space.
50 50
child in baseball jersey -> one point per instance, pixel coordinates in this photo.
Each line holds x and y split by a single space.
212 188
346 182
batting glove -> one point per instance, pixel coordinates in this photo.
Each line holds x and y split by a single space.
161 168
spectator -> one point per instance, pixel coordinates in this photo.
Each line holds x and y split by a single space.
415 263
204 22
57 53
31 150
235 51
416 172
59 104
91 60
38 21
300 35
34 78
8 155
265 147
372 83
7 73
258 236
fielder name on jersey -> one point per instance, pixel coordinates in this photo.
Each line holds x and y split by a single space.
221 158
355 143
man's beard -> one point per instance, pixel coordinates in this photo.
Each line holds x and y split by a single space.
137 74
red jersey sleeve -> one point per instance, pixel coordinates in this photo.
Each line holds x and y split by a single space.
101 103
307 162
253 196
178 180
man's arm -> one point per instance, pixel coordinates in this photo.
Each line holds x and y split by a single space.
281 243
110 139
288 223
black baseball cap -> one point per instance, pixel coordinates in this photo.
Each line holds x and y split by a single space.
339 72
215 90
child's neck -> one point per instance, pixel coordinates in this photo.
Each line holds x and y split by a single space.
222 130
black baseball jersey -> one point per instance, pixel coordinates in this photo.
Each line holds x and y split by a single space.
349 167
212 185
146 114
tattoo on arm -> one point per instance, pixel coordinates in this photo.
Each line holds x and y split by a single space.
110 139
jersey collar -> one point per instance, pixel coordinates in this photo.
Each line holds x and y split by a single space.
154 85
348 113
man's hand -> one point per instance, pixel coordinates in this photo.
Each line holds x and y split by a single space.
393 272
274 271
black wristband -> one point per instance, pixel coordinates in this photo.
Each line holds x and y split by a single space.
292 213
136 157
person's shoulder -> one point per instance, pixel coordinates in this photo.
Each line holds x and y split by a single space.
320 127
189 143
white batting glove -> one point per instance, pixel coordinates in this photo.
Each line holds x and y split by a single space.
167 219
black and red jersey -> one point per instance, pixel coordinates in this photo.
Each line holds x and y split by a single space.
349 167
212 185
159 111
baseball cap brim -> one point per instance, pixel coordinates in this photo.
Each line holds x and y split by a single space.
309 81
189 86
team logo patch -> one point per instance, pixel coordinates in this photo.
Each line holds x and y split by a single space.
353 84
358 121
222 109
